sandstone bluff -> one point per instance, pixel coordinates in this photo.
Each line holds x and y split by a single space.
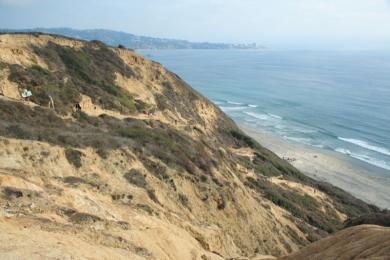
146 169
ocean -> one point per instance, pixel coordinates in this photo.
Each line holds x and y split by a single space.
332 100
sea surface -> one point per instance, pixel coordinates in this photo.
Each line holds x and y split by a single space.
332 100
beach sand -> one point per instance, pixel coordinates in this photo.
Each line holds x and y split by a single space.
366 182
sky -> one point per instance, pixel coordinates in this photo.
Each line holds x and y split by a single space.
333 24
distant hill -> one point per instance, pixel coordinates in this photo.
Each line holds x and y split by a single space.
115 38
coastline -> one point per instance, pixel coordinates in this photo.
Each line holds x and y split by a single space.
366 182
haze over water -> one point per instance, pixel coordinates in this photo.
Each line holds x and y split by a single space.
338 101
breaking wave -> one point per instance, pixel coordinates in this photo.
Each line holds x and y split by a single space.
364 158
366 145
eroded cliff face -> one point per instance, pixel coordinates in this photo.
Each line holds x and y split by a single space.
148 168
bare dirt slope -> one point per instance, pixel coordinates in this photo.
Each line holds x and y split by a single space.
360 242
148 169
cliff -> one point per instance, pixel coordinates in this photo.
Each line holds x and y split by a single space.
147 168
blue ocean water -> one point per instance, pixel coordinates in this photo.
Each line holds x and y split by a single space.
334 100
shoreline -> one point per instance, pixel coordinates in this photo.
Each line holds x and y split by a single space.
368 183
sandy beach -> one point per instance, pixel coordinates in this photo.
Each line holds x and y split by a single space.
364 181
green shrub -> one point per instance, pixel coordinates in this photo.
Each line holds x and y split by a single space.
144 135
221 204
152 195
345 202
80 115
90 70
145 208
43 84
296 237
184 200
204 178
301 206
243 138
73 180
17 131
379 219
157 169
39 70
83 218
73 157
102 152
136 178
12 193
128 102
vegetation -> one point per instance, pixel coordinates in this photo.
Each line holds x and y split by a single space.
161 142
267 164
171 147
90 71
152 195
136 178
221 204
300 206
380 219
165 152
146 136
242 138
74 157
344 201
73 180
83 218
261 168
12 193
174 149
43 84
184 200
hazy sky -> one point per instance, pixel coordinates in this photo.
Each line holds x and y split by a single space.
276 23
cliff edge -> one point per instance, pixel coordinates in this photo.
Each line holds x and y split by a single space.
115 157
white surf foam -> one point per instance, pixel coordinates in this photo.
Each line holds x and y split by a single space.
234 103
318 145
366 145
276 116
298 139
218 102
365 158
258 116
226 109
343 151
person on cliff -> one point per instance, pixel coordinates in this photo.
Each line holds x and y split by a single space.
51 102
26 95
77 106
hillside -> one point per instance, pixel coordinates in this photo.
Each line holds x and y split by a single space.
132 41
361 242
147 169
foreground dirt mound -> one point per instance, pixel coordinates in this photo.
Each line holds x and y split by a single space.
115 156
360 242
